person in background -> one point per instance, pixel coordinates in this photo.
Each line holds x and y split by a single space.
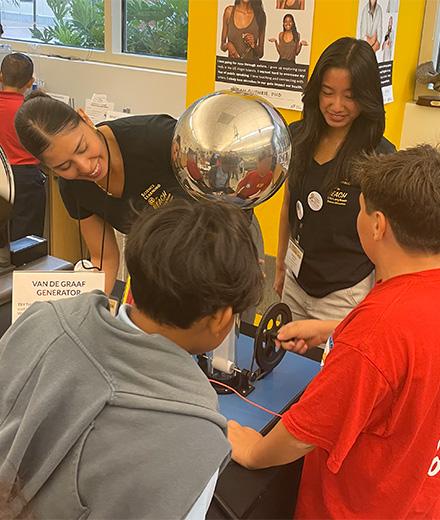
1 30
290 4
243 30
111 417
371 24
388 41
393 6
256 180
369 423
289 43
16 75
321 269
192 166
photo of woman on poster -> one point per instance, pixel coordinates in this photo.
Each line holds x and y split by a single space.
388 41
248 63
289 43
377 24
243 30
371 24
291 4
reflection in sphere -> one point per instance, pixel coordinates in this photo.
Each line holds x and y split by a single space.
231 147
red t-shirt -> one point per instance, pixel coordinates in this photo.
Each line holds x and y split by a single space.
193 169
253 183
373 412
10 102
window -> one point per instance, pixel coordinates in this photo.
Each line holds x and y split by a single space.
146 33
73 23
155 27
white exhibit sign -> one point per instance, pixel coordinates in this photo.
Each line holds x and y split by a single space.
97 107
32 286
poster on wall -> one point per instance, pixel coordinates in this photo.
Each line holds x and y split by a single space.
263 48
377 24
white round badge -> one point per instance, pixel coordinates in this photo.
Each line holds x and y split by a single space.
299 210
314 200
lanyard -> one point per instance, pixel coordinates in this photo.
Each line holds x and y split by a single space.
105 214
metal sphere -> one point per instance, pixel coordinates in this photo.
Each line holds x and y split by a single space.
231 147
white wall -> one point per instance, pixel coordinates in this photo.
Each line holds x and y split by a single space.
143 91
421 125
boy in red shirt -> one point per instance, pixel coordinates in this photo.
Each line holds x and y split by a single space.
16 74
370 421
257 180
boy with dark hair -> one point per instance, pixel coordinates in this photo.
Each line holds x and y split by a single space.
16 75
110 417
370 421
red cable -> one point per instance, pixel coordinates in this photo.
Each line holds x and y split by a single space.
244 398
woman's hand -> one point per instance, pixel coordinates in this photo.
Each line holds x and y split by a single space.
303 43
232 51
273 40
280 275
249 39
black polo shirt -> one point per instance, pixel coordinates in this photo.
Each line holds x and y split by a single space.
333 255
145 144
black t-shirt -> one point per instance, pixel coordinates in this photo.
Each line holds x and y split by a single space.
145 144
333 255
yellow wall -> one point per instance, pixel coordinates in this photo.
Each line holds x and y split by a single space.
333 19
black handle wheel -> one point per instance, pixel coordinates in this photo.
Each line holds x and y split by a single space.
267 354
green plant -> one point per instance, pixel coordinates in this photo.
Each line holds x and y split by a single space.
154 27
157 27
77 23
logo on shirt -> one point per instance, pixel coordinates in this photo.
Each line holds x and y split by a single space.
156 196
338 197
434 469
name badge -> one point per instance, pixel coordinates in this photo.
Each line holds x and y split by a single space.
294 257
328 348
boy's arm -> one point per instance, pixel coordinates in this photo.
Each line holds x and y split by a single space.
253 451
349 386
301 335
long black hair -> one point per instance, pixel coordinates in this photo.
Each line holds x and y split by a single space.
367 129
40 118
294 29
260 15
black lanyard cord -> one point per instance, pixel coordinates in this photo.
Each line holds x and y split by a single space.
105 215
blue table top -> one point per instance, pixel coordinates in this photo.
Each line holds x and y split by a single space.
275 391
